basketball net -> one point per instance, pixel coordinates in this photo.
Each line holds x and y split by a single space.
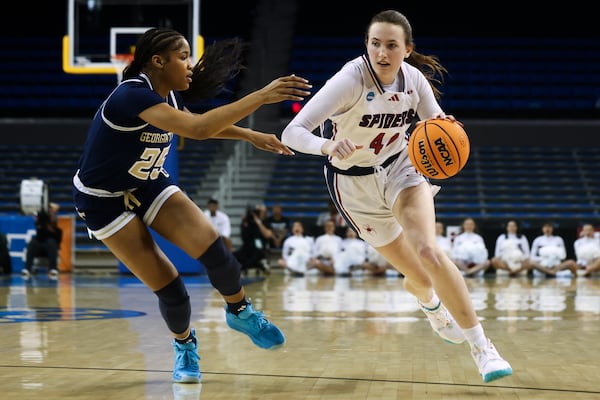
120 61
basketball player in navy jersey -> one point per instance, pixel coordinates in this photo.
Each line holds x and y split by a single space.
121 186
371 102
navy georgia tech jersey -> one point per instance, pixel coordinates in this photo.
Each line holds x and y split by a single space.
122 151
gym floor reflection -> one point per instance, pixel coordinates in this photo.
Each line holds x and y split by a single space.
102 337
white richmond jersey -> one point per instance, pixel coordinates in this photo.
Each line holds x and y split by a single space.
445 244
504 241
469 247
297 245
364 111
546 241
587 249
327 245
220 222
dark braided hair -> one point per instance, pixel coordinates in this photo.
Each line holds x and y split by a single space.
429 65
220 61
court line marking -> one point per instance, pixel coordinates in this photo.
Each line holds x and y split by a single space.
335 378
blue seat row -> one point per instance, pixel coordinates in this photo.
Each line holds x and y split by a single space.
536 78
498 181
38 86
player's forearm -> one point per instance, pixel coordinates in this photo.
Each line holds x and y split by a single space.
302 140
235 132
223 117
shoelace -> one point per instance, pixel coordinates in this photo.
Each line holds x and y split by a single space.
440 314
489 352
189 357
258 319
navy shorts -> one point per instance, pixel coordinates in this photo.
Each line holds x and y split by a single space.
105 215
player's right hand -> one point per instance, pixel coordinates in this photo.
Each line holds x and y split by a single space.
341 149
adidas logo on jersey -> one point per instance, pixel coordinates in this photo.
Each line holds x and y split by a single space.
395 97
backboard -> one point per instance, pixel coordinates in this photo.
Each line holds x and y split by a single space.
101 34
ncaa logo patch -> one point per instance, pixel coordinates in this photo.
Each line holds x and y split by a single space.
370 96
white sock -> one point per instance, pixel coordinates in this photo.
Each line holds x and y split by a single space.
433 303
475 336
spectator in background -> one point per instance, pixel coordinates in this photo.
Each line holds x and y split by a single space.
512 249
331 214
46 241
548 254
377 265
296 251
469 252
351 255
254 252
265 231
587 250
443 240
279 225
220 220
5 261
327 245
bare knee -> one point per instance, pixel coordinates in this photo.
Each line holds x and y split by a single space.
431 257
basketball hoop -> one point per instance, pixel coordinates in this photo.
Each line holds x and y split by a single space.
120 61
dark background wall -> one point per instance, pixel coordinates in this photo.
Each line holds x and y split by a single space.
481 132
433 24
503 34
477 60
224 18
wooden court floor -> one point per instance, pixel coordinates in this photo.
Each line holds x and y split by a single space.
101 337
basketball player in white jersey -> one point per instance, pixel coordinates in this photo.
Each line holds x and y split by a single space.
296 251
325 248
548 254
469 252
351 255
443 241
220 221
511 250
587 250
371 102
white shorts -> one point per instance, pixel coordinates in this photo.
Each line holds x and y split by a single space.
366 201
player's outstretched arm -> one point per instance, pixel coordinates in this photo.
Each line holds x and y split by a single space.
210 123
262 141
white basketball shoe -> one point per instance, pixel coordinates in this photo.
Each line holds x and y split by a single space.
443 323
491 366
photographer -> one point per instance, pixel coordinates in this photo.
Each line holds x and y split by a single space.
5 261
255 236
46 242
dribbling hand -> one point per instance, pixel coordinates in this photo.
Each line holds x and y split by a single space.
442 116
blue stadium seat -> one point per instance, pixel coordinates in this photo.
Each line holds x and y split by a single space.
498 182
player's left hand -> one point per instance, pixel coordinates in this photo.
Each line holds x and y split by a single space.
449 117
269 142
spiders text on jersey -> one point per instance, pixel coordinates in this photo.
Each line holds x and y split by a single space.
384 121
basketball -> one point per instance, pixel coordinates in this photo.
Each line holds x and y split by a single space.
439 148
